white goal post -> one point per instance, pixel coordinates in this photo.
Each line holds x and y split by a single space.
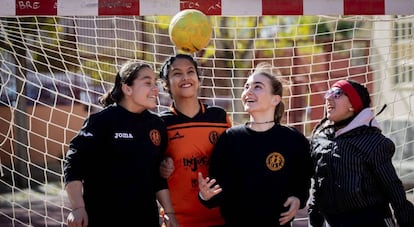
54 66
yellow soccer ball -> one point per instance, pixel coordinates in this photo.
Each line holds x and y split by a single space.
190 30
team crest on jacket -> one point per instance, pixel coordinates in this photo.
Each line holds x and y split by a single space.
275 161
213 137
155 137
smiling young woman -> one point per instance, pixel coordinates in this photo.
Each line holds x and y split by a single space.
261 160
355 181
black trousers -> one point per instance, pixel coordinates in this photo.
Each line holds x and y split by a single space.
379 216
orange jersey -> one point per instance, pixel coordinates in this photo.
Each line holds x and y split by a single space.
190 143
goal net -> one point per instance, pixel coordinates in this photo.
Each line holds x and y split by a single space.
54 68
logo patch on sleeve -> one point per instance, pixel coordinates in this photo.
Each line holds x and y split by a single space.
213 137
155 137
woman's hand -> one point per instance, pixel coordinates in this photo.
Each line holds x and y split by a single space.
78 218
166 167
207 190
293 203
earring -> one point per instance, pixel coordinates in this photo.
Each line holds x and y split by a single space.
351 109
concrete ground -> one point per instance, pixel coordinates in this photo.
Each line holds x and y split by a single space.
50 212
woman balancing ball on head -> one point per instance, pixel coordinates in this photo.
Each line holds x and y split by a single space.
193 129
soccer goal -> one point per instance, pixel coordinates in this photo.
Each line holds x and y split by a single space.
55 65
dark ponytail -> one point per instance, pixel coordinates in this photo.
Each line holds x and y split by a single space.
126 75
